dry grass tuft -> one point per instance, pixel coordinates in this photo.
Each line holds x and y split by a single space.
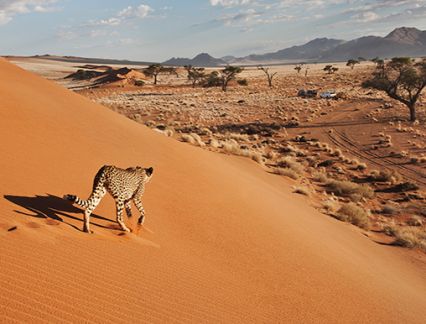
415 221
361 166
187 138
287 173
214 143
302 191
353 214
330 206
198 139
166 132
231 146
349 189
385 176
320 177
193 139
337 153
411 237
290 163
255 156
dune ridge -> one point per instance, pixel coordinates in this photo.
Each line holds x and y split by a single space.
224 241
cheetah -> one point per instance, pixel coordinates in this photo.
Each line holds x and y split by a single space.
124 185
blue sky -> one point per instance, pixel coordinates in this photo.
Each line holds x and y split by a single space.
156 30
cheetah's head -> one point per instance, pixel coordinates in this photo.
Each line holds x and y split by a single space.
149 171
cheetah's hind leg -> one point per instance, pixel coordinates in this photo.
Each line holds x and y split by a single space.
120 206
128 208
138 204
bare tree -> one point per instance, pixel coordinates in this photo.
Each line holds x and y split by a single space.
229 73
269 75
401 79
306 71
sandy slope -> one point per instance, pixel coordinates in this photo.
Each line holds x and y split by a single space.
224 241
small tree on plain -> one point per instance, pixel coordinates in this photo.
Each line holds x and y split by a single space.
330 69
298 67
229 73
153 71
170 70
188 68
269 75
306 71
212 80
401 79
352 63
380 65
196 75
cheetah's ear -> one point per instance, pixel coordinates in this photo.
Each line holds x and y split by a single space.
149 171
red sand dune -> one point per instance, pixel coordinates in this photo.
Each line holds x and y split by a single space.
223 240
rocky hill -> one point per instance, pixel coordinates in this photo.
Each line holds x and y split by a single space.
203 60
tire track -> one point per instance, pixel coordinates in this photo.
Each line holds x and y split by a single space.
374 158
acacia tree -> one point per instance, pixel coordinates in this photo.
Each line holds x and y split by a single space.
401 79
330 69
170 70
229 73
352 63
380 65
188 68
269 75
195 75
153 71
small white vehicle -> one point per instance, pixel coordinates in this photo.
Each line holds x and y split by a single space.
330 94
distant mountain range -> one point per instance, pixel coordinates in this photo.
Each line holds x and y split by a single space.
202 60
402 41
309 51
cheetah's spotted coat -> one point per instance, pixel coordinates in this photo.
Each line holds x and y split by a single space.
124 185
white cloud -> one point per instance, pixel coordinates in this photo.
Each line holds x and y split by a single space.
229 3
246 16
367 16
139 12
10 8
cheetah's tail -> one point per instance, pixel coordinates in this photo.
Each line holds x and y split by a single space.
78 201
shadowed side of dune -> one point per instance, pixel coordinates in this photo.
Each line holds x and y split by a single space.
52 207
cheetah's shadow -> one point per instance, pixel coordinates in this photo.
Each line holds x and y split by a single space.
51 207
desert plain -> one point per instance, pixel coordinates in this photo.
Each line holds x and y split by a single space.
264 206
